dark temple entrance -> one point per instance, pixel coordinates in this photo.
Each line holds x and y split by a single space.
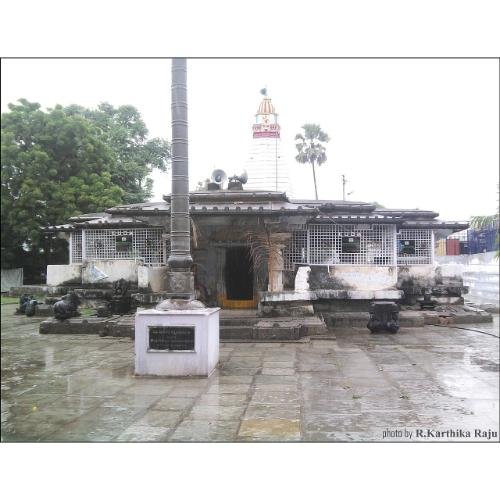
239 277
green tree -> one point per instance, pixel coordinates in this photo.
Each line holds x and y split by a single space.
311 149
67 161
124 131
483 221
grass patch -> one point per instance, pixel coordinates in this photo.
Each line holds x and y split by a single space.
9 300
87 311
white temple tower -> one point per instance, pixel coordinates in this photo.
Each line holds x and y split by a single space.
266 167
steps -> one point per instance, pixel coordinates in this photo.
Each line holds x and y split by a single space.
249 327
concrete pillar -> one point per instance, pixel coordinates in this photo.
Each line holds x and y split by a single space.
276 262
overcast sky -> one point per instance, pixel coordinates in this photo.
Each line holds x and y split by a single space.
406 133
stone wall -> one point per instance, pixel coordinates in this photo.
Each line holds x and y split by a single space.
423 276
151 278
112 269
66 274
353 277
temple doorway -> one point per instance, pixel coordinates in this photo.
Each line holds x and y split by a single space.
239 279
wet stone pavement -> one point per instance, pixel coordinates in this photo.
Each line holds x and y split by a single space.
411 386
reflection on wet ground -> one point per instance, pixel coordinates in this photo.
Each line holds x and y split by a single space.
426 384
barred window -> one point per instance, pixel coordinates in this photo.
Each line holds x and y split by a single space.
337 244
147 244
76 247
296 250
414 246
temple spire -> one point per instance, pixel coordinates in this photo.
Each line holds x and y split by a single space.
265 166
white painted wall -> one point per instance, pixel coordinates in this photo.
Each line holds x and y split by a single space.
113 269
366 277
153 277
60 274
423 275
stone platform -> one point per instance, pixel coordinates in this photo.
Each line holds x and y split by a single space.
242 327
246 326
40 290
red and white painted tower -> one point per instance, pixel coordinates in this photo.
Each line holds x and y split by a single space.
266 166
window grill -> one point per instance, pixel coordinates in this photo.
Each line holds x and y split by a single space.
296 250
414 246
119 244
76 247
326 244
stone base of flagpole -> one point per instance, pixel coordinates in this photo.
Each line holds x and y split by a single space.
177 342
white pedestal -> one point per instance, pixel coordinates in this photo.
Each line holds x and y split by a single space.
201 361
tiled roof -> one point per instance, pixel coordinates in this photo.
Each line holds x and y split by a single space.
369 218
435 224
236 202
83 217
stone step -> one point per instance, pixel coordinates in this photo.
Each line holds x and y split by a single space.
261 333
410 319
288 328
236 332
252 329
239 321
40 290
119 328
74 326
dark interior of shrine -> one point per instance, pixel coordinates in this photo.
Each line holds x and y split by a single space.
239 274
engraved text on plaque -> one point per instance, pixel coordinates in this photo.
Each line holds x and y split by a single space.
171 338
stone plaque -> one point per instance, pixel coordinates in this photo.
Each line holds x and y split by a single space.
351 244
171 338
407 247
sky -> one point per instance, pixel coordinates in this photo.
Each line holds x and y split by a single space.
407 133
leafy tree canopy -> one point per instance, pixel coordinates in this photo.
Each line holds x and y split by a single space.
66 161
125 133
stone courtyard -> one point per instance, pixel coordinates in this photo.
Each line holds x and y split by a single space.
411 386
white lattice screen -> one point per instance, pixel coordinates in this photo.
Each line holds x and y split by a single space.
76 247
118 244
414 246
296 250
337 244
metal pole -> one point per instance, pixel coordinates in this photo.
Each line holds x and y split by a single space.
343 187
180 257
180 279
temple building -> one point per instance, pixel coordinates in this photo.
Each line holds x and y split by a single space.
256 248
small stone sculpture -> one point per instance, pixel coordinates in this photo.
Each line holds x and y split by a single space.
31 307
24 300
121 287
67 307
104 311
121 301
384 317
427 303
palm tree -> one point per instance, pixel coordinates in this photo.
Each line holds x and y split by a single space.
310 145
483 221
